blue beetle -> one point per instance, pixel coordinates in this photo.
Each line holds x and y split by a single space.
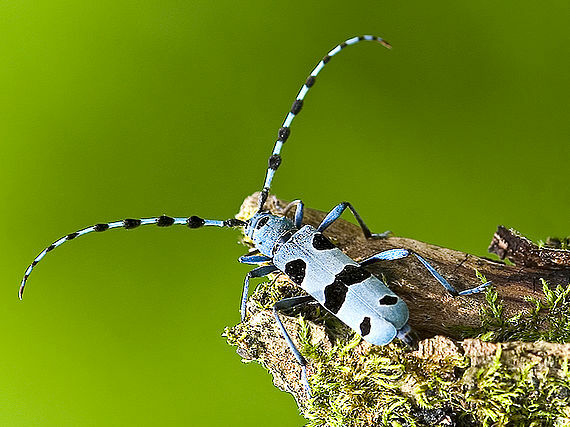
304 254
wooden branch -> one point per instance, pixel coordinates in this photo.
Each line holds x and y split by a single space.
508 243
433 312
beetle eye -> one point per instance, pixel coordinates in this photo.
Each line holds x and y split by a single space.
261 222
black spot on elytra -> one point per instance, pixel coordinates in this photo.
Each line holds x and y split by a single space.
321 243
296 270
365 327
335 294
388 300
352 274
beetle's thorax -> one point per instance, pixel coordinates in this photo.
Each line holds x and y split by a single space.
266 231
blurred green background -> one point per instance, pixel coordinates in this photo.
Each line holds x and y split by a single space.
129 109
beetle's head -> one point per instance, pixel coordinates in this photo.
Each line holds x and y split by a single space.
265 230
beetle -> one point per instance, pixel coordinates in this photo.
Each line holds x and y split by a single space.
340 284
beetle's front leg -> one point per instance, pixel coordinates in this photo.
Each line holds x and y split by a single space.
256 272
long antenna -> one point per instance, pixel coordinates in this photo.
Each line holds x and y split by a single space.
130 223
285 129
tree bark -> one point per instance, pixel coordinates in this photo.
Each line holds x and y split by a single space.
433 311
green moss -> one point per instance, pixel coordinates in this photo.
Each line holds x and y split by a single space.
355 384
547 318
389 387
354 391
555 243
513 397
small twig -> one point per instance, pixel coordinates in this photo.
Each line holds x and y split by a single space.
508 243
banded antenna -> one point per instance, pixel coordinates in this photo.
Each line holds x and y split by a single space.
128 224
285 129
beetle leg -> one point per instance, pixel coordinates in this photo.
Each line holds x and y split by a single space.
299 211
254 259
256 272
285 304
337 211
393 254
